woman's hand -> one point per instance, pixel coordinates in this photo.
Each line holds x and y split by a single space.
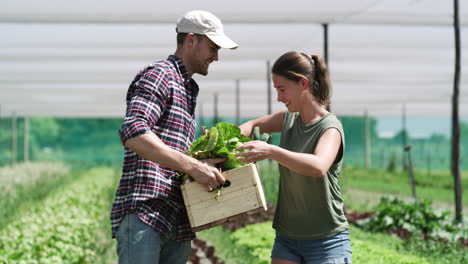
254 151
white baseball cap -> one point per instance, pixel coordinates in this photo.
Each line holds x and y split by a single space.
205 23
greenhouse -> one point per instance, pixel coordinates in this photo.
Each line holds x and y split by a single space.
399 79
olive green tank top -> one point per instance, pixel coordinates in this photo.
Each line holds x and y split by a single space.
309 208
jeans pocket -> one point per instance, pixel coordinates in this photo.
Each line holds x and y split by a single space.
123 229
122 237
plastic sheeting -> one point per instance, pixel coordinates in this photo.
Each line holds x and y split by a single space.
76 59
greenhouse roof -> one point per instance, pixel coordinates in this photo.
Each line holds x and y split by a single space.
76 59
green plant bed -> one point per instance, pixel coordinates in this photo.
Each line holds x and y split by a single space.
437 186
225 247
415 250
25 184
253 244
416 221
69 226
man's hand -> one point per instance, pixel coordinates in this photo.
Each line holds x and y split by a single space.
152 148
213 162
205 173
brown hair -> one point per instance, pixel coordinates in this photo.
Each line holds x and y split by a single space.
295 65
182 36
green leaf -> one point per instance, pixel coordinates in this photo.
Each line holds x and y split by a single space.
228 130
220 142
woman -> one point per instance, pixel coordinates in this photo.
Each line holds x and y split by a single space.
310 223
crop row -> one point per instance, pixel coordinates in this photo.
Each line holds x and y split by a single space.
68 226
22 174
25 184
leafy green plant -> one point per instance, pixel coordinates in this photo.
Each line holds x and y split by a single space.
24 184
256 239
444 251
412 220
393 213
219 142
66 227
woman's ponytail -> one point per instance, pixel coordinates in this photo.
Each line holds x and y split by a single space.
321 87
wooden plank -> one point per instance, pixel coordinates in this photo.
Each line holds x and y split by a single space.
231 204
260 192
240 179
187 206
225 220
243 195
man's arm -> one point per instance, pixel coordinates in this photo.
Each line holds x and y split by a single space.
150 147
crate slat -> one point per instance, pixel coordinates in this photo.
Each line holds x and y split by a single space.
243 195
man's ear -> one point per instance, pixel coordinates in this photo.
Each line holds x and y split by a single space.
190 40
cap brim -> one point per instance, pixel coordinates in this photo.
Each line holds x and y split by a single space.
223 41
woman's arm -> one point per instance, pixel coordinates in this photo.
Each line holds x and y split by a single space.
314 165
267 124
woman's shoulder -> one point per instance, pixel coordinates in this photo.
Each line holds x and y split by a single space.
331 120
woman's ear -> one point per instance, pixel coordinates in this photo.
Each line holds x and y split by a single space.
304 82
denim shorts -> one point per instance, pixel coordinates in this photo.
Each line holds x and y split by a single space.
332 250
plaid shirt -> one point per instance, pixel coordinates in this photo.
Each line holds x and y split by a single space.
161 99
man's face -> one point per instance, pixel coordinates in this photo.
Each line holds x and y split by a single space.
205 52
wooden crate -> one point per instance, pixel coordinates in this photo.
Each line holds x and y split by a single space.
244 195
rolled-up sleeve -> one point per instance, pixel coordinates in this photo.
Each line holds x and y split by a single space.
145 104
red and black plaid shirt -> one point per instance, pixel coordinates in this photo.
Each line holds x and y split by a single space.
161 99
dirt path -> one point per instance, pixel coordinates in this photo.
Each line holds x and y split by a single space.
203 253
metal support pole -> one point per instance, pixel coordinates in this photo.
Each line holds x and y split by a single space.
14 139
410 172
200 114
325 53
403 135
215 112
269 94
26 140
268 86
325 43
455 119
237 102
367 139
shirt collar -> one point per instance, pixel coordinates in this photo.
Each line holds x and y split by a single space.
180 66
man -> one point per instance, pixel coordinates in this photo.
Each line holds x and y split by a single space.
148 216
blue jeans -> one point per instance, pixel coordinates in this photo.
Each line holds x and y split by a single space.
332 250
140 244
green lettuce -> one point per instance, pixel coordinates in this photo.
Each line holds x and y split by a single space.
220 142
